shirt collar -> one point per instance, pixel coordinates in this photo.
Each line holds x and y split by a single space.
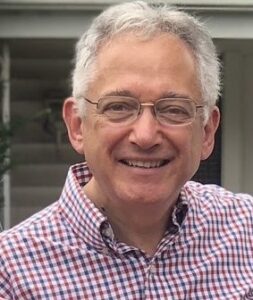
79 212
179 213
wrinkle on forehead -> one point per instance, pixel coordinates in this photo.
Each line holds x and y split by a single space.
132 44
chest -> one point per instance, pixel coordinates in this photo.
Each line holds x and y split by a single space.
179 273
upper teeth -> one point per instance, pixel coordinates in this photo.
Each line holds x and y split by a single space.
144 164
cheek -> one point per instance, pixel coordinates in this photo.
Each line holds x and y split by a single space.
191 151
101 139
190 142
196 142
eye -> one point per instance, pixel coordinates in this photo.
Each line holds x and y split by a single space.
118 107
175 110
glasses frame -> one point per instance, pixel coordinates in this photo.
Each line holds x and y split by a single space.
153 105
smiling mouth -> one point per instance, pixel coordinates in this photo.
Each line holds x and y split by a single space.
145 164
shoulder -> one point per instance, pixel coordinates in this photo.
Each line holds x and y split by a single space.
22 244
213 198
22 237
204 191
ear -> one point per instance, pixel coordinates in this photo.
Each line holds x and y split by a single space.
74 124
209 133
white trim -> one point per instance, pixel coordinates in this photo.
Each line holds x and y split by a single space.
224 5
71 24
181 2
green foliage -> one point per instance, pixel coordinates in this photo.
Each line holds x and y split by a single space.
6 132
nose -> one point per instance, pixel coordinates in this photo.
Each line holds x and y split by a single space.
145 131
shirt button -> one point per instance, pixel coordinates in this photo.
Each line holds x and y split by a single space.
109 233
152 269
105 251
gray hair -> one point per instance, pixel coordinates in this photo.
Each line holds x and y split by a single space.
146 21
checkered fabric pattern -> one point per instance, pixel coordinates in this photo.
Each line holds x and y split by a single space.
68 251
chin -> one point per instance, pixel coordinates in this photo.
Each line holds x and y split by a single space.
143 195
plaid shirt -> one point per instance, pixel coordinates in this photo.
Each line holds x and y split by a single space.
67 251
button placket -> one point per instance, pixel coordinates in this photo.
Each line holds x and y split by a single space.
105 251
152 269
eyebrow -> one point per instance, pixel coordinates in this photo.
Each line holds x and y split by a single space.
127 93
174 95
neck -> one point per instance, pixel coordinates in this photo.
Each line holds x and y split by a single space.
141 225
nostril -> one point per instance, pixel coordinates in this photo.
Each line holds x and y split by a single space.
145 132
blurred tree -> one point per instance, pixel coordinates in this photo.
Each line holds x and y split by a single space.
6 132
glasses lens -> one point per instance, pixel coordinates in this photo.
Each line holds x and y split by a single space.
175 111
118 109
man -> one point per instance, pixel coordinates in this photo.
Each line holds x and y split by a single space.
129 224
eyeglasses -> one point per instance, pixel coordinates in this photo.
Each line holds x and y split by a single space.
125 110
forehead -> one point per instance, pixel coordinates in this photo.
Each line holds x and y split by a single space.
162 46
162 62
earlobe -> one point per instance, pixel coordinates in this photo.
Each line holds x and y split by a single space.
73 123
209 133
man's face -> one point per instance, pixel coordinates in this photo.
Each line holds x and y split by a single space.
144 162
